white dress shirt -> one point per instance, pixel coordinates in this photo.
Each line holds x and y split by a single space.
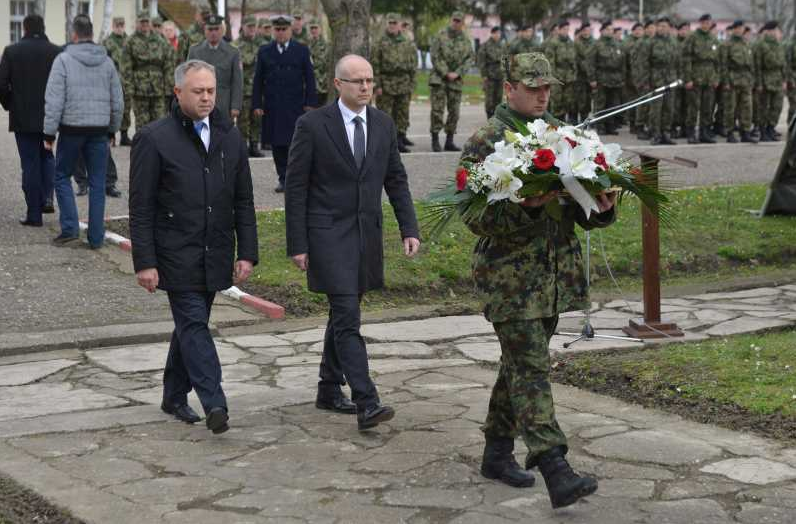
205 134
282 47
348 120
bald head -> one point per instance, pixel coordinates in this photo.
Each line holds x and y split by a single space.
353 80
348 63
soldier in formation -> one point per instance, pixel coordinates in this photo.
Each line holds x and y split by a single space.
606 75
147 72
114 44
662 61
300 33
583 46
452 57
640 76
680 99
248 43
631 86
321 54
195 34
562 57
770 79
737 81
489 61
394 60
524 42
701 76
264 28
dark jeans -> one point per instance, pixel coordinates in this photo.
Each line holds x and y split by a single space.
94 149
38 172
344 354
280 160
81 174
193 361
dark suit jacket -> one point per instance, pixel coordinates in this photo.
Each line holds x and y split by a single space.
283 84
191 209
333 210
24 71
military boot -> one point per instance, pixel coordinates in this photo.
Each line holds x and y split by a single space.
499 463
691 134
449 145
643 134
765 136
407 142
775 136
704 136
720 130
254 151
682 133
667 140
402 144
731 138
746 136
435 143
124 139
657 140
564 486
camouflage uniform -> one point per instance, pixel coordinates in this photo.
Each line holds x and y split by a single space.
606 67
247 123
147 73
522 45
680 98
193 36
451 52
700 66
321 54
769 57
639 72
114 44
302 37
631 91
662 59
737 73
394 60
528 268
263 39
583 46
489 59
562 59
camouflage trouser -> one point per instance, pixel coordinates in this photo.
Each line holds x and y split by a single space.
563 100
128 108
738 104
718 107
771 101
700 104
440 96
791 103
642 111
397 106
661 115
582 99
493 95
522 402
148 109
631 93
680 107
247 123
605 97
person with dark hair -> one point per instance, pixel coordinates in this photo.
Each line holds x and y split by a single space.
84 103
24 70
489 59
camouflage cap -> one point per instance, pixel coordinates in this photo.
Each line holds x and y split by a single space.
457 15
393 17
156 21
281 20
532 69
297 13
314 23
143 16
264 22
117 20
213 21
250 20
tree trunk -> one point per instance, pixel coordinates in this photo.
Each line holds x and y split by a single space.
349 21
107 17
71 12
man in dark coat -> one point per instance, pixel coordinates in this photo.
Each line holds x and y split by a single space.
284 88
24 70
191 205
342 157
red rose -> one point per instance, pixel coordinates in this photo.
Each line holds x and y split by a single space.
461 178
600 161
544 159
571 142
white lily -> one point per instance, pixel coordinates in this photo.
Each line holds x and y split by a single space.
538 128
503 186
612 153
576 161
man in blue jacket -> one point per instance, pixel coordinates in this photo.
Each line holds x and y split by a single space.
284 88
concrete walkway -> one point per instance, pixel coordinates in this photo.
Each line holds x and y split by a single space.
83 428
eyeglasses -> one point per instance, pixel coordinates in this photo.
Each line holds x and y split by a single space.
361 81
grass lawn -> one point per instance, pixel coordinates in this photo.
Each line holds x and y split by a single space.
471 91
749 381
715 238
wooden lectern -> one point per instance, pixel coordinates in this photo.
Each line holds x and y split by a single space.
651 326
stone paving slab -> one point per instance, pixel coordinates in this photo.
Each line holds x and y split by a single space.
25 373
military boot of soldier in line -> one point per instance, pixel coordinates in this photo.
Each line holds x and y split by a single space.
254 151
704 136
746 136
125 139
564 486
643 134
407 142
663 139
402 143
449 145
732 138
435 143
499 463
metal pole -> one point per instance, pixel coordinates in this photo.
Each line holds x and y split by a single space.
640 10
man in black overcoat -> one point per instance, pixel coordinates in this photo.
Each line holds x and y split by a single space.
284 88
191 205
343 155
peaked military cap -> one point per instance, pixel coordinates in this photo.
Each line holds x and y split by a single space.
314 23
705 17
143 16
457 15
771 24
214 21
281 20
737 23
297 14
531 69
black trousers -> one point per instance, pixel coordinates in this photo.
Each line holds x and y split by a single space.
280 160
192 362
344 355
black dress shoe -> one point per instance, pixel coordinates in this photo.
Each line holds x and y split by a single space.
338 404
216 420
374 415
280 188
113 192
181 412
48 207
26 222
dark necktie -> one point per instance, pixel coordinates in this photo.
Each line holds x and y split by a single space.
359 141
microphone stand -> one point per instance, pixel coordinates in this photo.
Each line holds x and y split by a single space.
588 333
